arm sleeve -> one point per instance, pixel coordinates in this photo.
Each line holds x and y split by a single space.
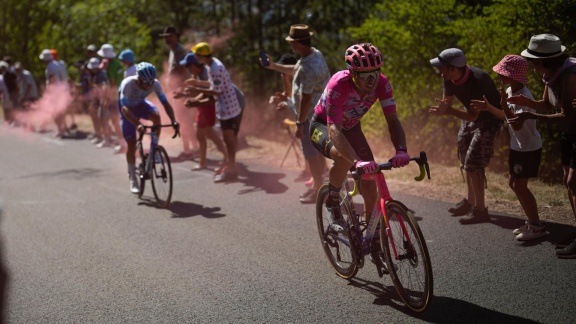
386 96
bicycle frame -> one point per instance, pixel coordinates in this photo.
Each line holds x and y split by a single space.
384 197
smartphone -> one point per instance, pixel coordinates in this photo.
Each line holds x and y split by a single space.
264 58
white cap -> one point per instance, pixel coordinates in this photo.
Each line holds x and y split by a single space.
94 63
46 55
107 51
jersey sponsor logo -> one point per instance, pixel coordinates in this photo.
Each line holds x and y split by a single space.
388 87
356 112
316 136
333 94
331 111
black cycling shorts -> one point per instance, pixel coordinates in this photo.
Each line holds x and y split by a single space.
321 139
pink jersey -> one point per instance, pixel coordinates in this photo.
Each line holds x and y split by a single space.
341 104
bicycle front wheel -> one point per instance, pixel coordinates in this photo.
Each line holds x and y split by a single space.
161 176
338 247
141 174
411 271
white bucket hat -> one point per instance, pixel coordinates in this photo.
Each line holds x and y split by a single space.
544 46
94 63
46 55
107 51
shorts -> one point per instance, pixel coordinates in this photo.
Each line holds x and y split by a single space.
524 165
206 116
320 139
476 143
232 123
141 111
568 149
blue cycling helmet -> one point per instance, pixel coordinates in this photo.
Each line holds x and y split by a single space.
127 55
146 72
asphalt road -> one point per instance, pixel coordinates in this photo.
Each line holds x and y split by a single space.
81 249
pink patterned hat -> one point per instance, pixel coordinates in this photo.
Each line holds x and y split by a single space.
513 66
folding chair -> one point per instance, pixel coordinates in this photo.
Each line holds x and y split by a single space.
288 124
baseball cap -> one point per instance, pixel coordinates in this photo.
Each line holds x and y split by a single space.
450 56
46 55
190 58
202 49
92 48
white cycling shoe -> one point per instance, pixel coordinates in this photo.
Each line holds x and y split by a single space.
134 187
335 218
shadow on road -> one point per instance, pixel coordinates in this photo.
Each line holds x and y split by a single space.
441 310
182 209
74 174
260 181
556 231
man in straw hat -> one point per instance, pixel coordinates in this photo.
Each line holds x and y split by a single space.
311 74
547 55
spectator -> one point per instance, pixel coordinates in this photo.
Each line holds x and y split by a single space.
11 82
5 93
285 96
525 142
55 81
97 80
206 115
26 85
547 55
110 116
127 59
176 76
478 129
310 75
228 108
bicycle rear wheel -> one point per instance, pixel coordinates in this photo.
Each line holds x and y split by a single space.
161 176
411 273
338 247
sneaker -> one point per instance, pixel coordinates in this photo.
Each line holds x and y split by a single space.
476 216
95 140
134 187
103 143
531 232
306 193
568 252
462 208
335 219
521 229
310 197
119 149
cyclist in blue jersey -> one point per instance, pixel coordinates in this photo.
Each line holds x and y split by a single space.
134 106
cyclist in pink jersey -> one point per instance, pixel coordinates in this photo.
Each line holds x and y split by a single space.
336 130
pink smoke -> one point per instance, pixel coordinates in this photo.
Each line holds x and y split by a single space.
53 103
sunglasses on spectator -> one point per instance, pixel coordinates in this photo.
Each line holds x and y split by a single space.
367 75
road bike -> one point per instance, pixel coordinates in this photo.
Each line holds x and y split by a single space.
157 169
391 237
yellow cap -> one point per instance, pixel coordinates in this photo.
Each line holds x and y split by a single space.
202 49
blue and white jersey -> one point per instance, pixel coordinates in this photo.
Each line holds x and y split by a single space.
131 94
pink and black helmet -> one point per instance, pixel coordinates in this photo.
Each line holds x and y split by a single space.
363 57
